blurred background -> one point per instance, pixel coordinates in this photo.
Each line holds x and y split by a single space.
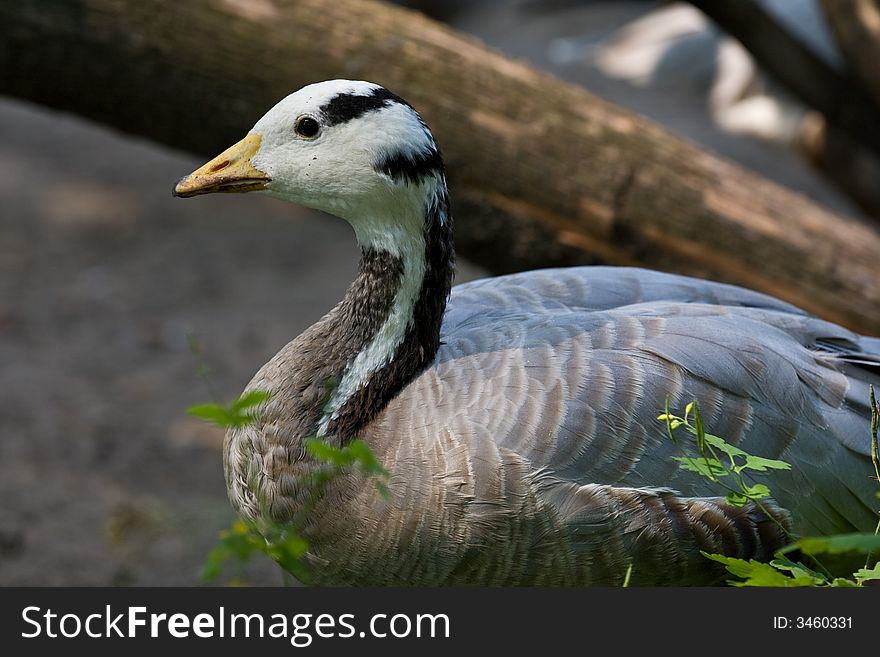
104 478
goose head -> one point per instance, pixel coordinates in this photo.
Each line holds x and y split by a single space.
349 148
358 151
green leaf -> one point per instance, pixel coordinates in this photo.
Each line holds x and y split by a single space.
365 457
724 446
211 413
797 569
320 449
711 468
288 550
756 573
843 583
866 574
328 453
384 491
836 544
213 564
756 492
244 539
761 464
246 409
240 541
737 499
240 413
250 399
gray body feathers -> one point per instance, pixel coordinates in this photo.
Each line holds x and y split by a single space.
530 452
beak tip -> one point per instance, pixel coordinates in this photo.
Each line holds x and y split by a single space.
179 190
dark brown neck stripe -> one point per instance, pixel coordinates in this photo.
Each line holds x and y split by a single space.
319 357
420 344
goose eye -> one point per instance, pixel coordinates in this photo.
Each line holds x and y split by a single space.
306 127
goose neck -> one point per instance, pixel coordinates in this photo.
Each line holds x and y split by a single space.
390 316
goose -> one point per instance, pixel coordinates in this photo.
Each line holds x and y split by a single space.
517 415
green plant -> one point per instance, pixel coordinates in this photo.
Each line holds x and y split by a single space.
284 544
240 413
730 467
719 461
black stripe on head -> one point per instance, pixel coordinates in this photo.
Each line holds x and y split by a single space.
346 107
409 167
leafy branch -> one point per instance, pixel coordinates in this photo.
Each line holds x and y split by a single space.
727 465
719 461
283 543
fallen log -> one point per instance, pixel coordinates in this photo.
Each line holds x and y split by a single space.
542 172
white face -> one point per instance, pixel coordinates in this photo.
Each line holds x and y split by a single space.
323 147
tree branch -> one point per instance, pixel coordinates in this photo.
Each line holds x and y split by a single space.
542 173
838 97
856 27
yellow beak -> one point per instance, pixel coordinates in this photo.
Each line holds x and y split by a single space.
231 171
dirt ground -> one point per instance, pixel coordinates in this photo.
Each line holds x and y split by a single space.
104 479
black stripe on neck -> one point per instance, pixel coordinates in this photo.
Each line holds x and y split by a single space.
420 344
346 107
305 374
